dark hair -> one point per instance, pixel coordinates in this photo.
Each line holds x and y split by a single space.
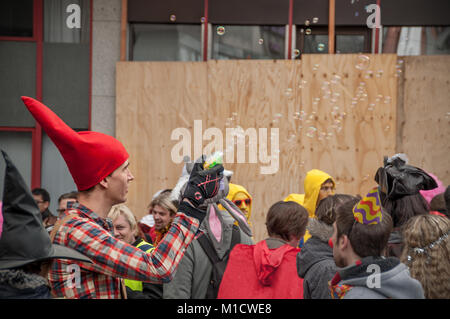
402 209
44 194
285 219
366 240
326 211
70 195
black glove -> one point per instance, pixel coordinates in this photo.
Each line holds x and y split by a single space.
203 184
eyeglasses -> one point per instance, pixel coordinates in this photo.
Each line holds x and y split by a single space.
238 202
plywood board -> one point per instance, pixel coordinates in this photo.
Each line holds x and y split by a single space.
309 102
426 114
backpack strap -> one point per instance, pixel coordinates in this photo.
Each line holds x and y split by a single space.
207 246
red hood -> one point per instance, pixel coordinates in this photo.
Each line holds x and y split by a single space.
268 260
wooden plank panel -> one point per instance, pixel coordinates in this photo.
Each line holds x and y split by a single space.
426 115
154 98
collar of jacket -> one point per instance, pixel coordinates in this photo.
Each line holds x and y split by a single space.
85 212
360 268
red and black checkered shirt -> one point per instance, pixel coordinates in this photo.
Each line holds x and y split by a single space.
112 258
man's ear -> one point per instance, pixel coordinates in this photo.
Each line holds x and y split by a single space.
104 182
343 242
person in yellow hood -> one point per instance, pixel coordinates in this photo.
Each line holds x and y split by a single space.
318 185
241 198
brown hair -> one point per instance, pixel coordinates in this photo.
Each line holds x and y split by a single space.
326 211
432 266
285 219
366 240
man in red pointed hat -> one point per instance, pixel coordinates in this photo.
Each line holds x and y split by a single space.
99 166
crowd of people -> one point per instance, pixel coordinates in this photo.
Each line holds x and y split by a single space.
196 241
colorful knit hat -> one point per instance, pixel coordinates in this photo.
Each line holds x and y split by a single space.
90 156
368 210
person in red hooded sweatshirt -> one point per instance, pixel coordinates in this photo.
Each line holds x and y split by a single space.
268 269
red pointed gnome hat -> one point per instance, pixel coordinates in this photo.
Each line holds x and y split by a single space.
90 156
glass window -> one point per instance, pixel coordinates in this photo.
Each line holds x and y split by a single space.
66 63
16 18
416 40
248 42
56 178
18 77
348 40
350 43
165 42
18 147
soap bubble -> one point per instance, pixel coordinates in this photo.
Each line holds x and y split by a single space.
261 41
308 31
315 19
220 30
363 62
320 47
296 52
307 22
173 17
202 19
311 131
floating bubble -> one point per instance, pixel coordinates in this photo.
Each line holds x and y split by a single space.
296 52
220 30
315 20
329 135
261 41
387 99
291 138
363 62
336 79
311 131
320 47
278 115
308 31
371 107
202 19
288 92
369 74
173 17
379 73
307 22
387 128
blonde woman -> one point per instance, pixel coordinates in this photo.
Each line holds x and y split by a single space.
126 229
427 253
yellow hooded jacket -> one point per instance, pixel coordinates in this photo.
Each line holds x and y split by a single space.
313 181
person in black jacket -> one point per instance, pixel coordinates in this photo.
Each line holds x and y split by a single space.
315 263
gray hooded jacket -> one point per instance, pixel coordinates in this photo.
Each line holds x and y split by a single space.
380 278
193 274
315 263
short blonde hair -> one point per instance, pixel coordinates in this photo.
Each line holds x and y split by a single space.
122 209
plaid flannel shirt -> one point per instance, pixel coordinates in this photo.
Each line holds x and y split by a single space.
112 258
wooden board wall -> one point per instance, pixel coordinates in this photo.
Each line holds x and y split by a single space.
424 115
334 112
